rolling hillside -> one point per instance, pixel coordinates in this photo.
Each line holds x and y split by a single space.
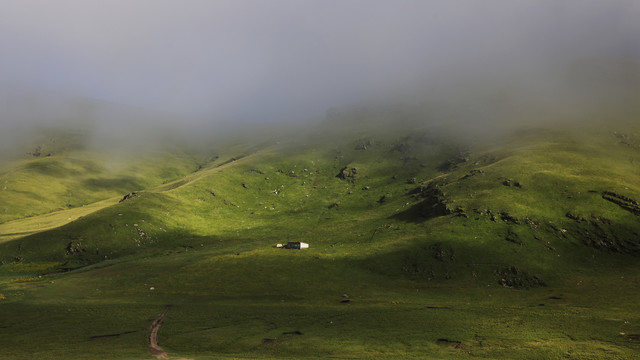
422 245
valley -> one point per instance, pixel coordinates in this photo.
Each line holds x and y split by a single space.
422 245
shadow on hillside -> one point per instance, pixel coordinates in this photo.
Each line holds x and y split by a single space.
417 213
50 168
29 194
433 204
439 261
89 241
430 260
429 208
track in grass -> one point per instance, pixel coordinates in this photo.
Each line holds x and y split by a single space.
155 349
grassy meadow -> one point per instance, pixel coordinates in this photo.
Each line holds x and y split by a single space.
421 246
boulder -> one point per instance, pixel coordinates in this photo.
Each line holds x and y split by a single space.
347 173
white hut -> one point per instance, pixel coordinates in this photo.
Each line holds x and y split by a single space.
294 245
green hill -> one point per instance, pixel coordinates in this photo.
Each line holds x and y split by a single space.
422 245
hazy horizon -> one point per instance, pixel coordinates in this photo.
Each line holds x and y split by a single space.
209 62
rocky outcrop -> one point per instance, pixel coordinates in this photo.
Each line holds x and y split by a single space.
512 277
626 203
472 173
129 196
506 217
434 203
512 183
348 174
75 247
453 162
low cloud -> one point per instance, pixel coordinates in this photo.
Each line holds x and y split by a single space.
258 61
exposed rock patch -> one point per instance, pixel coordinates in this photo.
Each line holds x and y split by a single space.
435 198
75 247
508 218
128 196
442 252
472 173
626 203
602 237
512 183
347 173
363 144
601 220
141 234
624 139
37 152
512 277
575 217
453 162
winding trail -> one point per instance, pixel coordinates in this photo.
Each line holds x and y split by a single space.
155 349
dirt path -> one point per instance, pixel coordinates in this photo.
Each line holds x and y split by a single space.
155 349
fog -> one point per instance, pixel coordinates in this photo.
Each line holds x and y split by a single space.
195 63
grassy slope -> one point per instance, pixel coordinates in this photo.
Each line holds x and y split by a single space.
204 243
67 173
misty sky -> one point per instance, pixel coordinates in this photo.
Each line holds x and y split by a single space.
266 60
